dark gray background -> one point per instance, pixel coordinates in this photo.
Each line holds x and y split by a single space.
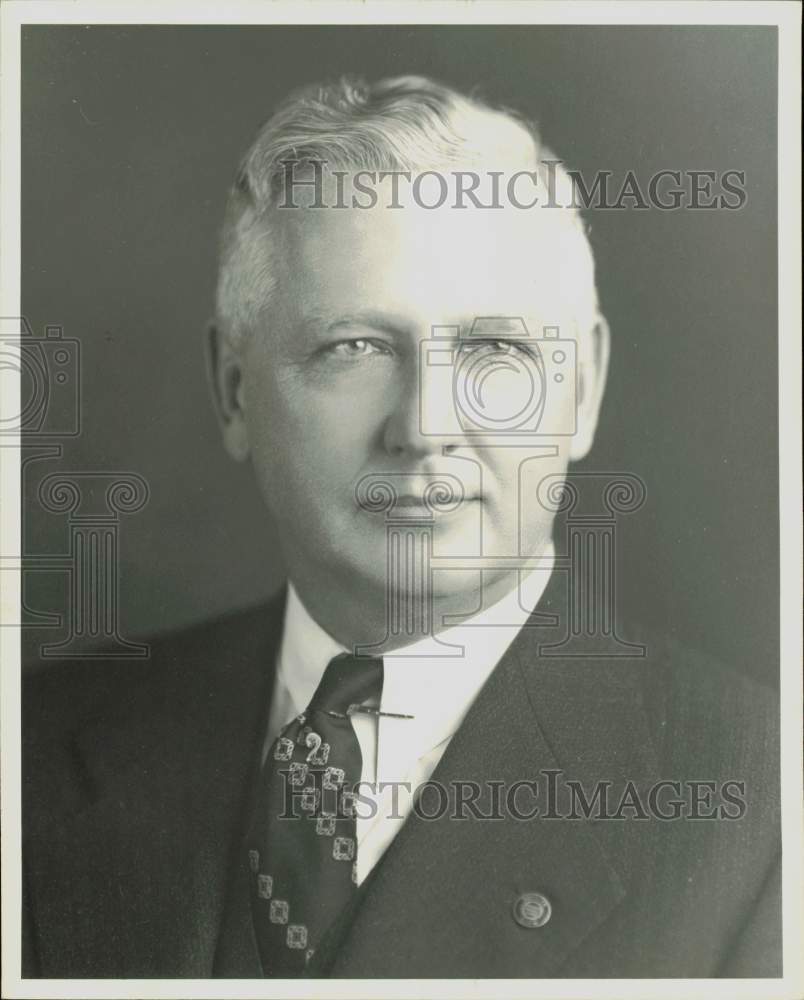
130 139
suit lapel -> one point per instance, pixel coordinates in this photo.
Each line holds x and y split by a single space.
133 882
441 902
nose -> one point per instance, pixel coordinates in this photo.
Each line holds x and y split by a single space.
420 413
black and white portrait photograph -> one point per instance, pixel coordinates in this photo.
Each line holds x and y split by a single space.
400 453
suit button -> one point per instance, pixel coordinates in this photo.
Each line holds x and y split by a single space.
532 909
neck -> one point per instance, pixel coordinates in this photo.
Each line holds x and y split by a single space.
363 614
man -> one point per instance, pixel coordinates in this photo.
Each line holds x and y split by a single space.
400 767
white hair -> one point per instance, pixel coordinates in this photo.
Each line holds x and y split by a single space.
407 123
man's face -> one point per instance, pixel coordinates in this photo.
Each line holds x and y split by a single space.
336 386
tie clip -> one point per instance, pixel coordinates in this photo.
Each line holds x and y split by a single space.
375 711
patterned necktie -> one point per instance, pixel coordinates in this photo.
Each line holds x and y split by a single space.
302 843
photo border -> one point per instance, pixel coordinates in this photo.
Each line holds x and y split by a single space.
787 17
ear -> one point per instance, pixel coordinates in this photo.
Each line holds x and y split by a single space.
225 376
593 366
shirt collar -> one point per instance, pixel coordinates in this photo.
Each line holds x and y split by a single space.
305 652
439 689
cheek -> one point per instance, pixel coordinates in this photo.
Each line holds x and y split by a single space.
280 408
306 434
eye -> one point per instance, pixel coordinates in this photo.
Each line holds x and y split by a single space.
356 348
495 347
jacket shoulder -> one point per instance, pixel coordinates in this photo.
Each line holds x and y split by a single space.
184 664
700 708
197 680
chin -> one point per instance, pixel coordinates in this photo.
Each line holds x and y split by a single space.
457 583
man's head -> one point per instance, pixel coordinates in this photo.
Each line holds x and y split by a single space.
322 354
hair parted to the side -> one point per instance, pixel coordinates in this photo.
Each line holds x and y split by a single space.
406 123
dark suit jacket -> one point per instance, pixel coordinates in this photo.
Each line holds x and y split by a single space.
136 777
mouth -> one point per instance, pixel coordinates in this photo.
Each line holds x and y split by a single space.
419 494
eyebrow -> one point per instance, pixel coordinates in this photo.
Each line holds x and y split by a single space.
319 324
496 326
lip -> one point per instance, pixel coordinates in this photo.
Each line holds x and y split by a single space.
412 500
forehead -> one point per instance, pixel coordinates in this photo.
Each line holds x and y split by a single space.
439 265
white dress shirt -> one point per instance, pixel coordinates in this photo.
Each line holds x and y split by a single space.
436 690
